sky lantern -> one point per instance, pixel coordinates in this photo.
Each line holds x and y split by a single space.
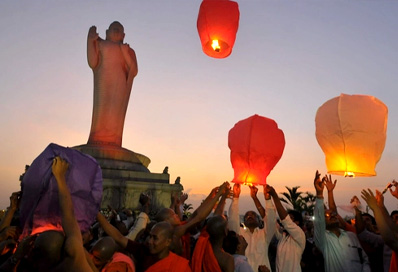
351 130
39 208
218 22
256 145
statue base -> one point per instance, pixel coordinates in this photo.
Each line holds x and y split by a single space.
125 176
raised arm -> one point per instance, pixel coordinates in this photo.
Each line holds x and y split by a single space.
93 47
384 222
142 219
202 211
73 237
359 224
233 212
278 204
112 231
394 192
319 213
69 223
330 185
257 203
270 215
221 204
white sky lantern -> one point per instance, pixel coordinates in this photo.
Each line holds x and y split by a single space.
351 130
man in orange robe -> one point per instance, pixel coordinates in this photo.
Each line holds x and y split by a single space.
208 255
160 239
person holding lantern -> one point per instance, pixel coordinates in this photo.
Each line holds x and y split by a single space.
341 249
291 238
257 239
209 254
54 250
149 254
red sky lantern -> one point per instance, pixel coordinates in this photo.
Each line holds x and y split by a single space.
218 22
351 130
256 145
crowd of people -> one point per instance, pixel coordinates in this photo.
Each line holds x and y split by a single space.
210 240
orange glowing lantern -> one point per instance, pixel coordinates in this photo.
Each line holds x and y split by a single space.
256 145
351 130
218 22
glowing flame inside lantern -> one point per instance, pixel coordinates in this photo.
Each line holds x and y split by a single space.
218 22
215 45
349 174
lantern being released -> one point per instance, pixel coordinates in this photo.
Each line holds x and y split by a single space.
218 22
256 145
351 130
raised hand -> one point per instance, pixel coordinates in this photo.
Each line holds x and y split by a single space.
59 167
379 198
183 197
92 33
236 190
329 183
394 192
15 200
319 184
225 187
271 191
369 198
253 191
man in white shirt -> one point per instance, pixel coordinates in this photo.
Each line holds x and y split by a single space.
143 219
341 249
291 238
257 239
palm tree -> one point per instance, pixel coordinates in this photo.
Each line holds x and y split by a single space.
186 209
293 198
298 200
309 201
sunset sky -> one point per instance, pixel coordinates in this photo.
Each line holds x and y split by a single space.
289 58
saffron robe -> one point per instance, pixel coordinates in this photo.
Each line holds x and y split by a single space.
203 259
172 263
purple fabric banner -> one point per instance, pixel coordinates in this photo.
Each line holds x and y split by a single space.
39 209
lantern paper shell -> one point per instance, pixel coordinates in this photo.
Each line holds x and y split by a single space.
39 208
351 130
256 145
218 20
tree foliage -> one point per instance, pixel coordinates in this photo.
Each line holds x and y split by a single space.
299 201
186 209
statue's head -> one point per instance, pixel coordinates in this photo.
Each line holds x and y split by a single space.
115 32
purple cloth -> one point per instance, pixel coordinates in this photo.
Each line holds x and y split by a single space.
39 202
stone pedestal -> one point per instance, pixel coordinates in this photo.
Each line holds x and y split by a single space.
126 176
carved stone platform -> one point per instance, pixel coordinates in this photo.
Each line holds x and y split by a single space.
126 176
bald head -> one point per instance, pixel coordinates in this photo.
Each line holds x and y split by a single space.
217 227
168 215
160 239
47 250
166 229
103 251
